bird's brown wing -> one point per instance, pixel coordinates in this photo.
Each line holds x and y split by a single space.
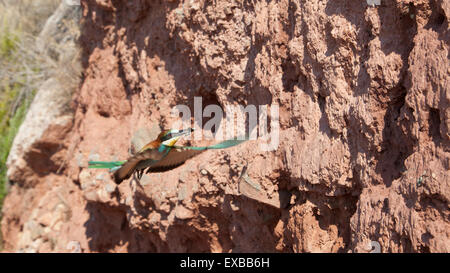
176 157
126 170
129 167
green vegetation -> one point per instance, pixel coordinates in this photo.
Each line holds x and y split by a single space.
9 121
8 130
7 44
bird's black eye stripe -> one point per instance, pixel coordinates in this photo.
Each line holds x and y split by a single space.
167 137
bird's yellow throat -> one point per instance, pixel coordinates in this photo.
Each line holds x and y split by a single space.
171 142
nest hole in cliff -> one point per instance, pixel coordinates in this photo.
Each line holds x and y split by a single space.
210 122
210 99
202 98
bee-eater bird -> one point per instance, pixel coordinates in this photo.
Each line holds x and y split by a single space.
159 155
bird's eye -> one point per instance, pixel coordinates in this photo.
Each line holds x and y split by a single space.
168 136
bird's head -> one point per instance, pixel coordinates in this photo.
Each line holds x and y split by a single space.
170 137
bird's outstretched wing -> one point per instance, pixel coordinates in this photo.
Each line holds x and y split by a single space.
176 157
179 154
135 162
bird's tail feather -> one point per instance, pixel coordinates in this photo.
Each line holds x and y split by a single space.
105 164
221 145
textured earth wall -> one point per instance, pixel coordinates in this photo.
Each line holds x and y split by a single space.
364 131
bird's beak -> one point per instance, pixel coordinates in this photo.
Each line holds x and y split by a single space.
177 135
183 132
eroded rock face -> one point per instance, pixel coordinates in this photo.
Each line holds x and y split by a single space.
364 131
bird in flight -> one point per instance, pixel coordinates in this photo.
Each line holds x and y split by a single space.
159 155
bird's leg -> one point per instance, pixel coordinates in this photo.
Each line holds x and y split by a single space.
139 174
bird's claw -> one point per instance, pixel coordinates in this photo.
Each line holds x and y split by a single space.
139 174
